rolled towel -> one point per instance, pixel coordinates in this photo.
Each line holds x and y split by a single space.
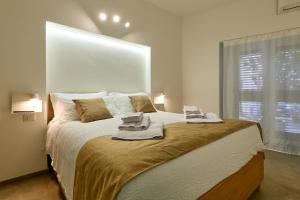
155 131
132 117
136 126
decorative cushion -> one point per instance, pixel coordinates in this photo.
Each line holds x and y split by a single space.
63 106
142 103
92 109
122 101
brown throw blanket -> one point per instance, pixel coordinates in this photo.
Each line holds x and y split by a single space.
104 165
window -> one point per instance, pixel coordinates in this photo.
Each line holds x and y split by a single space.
250 110
251 71
261 82
288 117
287 78
251 81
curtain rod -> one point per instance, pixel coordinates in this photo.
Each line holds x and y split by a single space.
255 35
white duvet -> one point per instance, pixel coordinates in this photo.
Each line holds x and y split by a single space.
184 178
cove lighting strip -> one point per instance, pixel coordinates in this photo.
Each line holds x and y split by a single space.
86 36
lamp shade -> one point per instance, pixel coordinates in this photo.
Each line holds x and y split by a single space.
160 99
26 102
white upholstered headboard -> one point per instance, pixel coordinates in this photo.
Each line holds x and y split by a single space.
80 61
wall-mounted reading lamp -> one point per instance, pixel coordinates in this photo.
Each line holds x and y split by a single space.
159 101
26 104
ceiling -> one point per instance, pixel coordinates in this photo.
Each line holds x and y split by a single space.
186 7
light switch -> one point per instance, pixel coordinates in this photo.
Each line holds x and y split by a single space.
29 117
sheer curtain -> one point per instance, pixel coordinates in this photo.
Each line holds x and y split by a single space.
261 82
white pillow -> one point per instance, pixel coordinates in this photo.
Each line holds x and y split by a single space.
63 106
122 101
111 106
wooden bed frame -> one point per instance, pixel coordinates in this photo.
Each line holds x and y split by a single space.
238 186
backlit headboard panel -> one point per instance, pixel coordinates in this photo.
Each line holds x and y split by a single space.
80 61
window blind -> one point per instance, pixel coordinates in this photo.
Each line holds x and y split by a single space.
288 78
251 77
251 71
261 82
251 80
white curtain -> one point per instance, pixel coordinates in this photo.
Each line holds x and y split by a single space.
261 82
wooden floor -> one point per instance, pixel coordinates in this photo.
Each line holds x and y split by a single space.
282 178
282 182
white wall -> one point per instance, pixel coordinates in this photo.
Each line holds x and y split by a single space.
152 27
22 64
93 62
202 34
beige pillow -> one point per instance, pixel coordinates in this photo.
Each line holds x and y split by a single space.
142 103
92 109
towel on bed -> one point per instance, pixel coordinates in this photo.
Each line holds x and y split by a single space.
104 166
132 117
154 131
191 112
136 126
192 116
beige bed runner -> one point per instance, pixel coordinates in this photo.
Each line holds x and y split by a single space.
104 165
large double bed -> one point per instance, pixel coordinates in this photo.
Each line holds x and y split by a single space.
229 168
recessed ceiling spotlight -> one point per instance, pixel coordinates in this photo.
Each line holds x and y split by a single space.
116 18
127 24
103 16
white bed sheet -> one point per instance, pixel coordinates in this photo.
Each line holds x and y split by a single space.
184 178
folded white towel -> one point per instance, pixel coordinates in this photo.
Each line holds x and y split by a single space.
187 112
191 116
155 131
132 117
192 112
136 126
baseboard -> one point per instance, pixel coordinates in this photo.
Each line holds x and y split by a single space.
20 178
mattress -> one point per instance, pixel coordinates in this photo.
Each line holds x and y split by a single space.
186 177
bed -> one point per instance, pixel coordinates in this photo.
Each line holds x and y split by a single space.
229 168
